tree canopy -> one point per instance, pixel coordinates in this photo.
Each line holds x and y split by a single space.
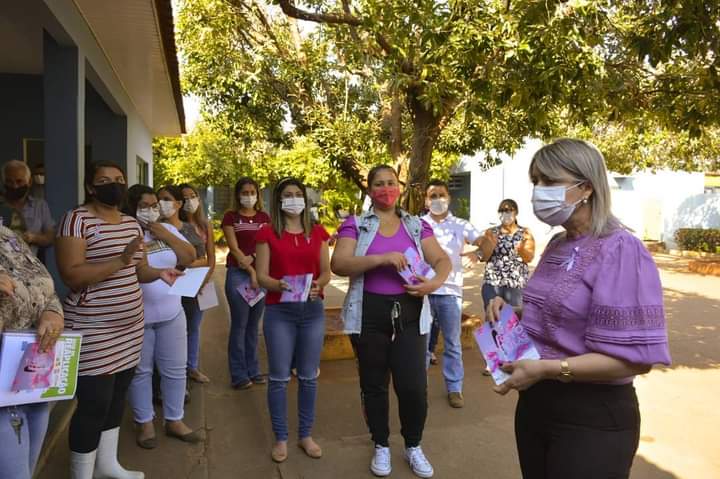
416 83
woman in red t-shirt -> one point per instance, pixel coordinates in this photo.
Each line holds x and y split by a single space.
293 264
240 226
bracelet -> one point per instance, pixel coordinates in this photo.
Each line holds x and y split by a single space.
566 374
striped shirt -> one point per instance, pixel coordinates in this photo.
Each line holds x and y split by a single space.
109 314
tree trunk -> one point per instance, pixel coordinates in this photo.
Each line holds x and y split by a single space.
426 130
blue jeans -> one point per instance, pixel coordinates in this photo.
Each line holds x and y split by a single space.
164 345
512 296
293 330
194 317
18 460
244 321
447 311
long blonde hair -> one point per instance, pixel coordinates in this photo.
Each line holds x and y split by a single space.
583 162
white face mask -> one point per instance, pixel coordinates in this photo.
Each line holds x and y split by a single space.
167 208
147 215
549 204
507 218
39 179
191 205
248 201
438 206
293 206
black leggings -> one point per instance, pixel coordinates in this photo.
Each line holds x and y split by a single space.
101 401
404 356
577 431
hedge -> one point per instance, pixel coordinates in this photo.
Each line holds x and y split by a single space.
697 239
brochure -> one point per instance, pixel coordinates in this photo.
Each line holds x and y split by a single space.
504 341
28 375
189 283
207 297
251 295
299 290
416 267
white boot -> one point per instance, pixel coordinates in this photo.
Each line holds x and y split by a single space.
82 465
106 465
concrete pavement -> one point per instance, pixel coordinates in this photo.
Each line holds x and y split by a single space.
680 432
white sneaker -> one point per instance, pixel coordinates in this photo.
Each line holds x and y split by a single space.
418 462
380 464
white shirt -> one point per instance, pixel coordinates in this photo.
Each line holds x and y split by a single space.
452 233
159 305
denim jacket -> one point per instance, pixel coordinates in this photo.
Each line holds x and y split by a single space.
368 224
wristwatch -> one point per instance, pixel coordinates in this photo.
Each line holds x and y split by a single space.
566 374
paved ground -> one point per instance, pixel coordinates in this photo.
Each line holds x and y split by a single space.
680 432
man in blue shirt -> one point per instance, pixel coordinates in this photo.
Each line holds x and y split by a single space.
29 217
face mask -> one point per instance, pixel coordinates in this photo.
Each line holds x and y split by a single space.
14 194
293 206
386 196
110 194
549 204
438 206
248 201
39 179
191 205
147 215
507 218
167 208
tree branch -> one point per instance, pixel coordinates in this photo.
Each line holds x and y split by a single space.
288 7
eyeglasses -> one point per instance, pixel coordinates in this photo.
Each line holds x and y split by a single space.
506 210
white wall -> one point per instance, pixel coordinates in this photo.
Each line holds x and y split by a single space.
507 180
653 204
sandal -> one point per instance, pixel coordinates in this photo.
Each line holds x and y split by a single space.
279 451
310 447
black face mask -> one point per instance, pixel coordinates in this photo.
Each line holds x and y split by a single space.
14 194
111 194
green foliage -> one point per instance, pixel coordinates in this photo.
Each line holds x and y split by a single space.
462 210
327 89
697 239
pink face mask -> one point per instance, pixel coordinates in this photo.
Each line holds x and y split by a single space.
385 196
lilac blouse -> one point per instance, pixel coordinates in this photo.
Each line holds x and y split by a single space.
598 295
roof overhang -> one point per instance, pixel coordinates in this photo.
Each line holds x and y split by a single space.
138 39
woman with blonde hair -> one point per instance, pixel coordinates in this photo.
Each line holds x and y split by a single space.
594 309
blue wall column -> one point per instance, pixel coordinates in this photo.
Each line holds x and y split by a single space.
64 95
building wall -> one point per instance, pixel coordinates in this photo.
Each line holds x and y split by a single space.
21 113
104 80
653 204
105 131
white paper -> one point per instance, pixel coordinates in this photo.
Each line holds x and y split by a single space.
207 297
189 283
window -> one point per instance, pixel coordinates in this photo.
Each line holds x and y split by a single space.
142 171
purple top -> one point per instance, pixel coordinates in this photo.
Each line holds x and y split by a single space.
384 279
597 295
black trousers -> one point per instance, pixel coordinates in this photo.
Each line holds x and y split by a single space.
101 401
393 346
577 431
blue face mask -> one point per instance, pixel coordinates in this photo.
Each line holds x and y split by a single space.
549 204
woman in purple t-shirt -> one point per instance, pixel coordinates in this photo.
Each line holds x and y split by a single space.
594 309
391 339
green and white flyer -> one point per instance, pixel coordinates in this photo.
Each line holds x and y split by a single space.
30 376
